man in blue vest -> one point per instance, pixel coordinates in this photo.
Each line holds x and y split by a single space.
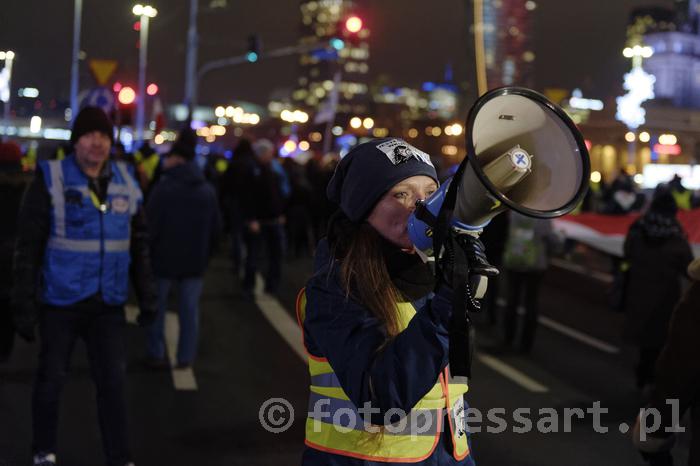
81 235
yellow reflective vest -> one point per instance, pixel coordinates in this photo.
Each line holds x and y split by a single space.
335 425
683 199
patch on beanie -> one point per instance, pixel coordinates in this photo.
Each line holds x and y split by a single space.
399 151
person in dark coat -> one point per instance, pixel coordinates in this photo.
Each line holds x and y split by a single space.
13 182
298 209
658 253
184 226
262 208
525 260
677 377
234 185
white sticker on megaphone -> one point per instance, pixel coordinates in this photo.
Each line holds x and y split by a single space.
399 151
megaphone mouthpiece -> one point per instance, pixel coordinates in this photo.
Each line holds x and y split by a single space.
509 169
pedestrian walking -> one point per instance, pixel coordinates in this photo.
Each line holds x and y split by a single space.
184 226
525 260
13 182
677 380
82 230
235 185
263 208
657 252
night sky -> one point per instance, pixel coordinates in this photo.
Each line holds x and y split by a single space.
578 44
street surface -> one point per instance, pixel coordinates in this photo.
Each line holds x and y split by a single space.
250 352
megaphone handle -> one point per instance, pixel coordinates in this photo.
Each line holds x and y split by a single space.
463 303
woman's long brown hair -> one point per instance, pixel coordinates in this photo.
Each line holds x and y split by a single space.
365 277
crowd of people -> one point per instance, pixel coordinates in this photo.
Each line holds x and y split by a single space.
87 222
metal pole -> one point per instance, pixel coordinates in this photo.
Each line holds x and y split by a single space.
632 148
479 48
75 68
141 94
191 66
333 103
8 64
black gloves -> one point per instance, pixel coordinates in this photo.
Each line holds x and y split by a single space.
464 253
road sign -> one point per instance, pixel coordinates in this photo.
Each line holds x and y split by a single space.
102 70
101 97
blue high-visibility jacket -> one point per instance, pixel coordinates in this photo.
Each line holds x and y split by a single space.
88 247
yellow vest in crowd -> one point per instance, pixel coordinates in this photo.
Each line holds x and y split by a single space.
147 164
329 404
683 199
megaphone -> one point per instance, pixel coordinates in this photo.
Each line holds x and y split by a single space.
523 153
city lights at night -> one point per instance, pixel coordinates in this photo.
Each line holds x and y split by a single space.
350 232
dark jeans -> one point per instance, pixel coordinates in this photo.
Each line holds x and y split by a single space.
103 331
527 284
272 238
189 292
236 226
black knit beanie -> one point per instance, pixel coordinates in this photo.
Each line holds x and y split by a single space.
91 119
186 144
663 203
370 169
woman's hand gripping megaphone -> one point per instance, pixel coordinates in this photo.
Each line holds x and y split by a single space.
464 261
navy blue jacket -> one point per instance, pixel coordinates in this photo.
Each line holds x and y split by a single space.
348 335
184 222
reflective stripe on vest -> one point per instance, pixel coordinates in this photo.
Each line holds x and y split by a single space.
88 245
131 189
57 199
335 424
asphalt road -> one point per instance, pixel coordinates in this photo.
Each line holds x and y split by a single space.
250 353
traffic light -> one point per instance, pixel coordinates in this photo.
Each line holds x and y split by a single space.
127 99
253 48
352 29
337 43
353 24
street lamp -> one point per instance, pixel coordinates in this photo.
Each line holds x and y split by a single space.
145 12
6 93
640 87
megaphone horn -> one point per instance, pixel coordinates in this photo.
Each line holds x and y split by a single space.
523 153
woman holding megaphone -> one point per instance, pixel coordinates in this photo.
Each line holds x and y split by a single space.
375 323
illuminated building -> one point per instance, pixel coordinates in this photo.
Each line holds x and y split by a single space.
688 15
322 21
508 28
676 63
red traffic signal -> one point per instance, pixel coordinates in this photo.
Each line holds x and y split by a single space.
354 24
126 95
152 89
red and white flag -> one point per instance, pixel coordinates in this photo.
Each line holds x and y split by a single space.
607 232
